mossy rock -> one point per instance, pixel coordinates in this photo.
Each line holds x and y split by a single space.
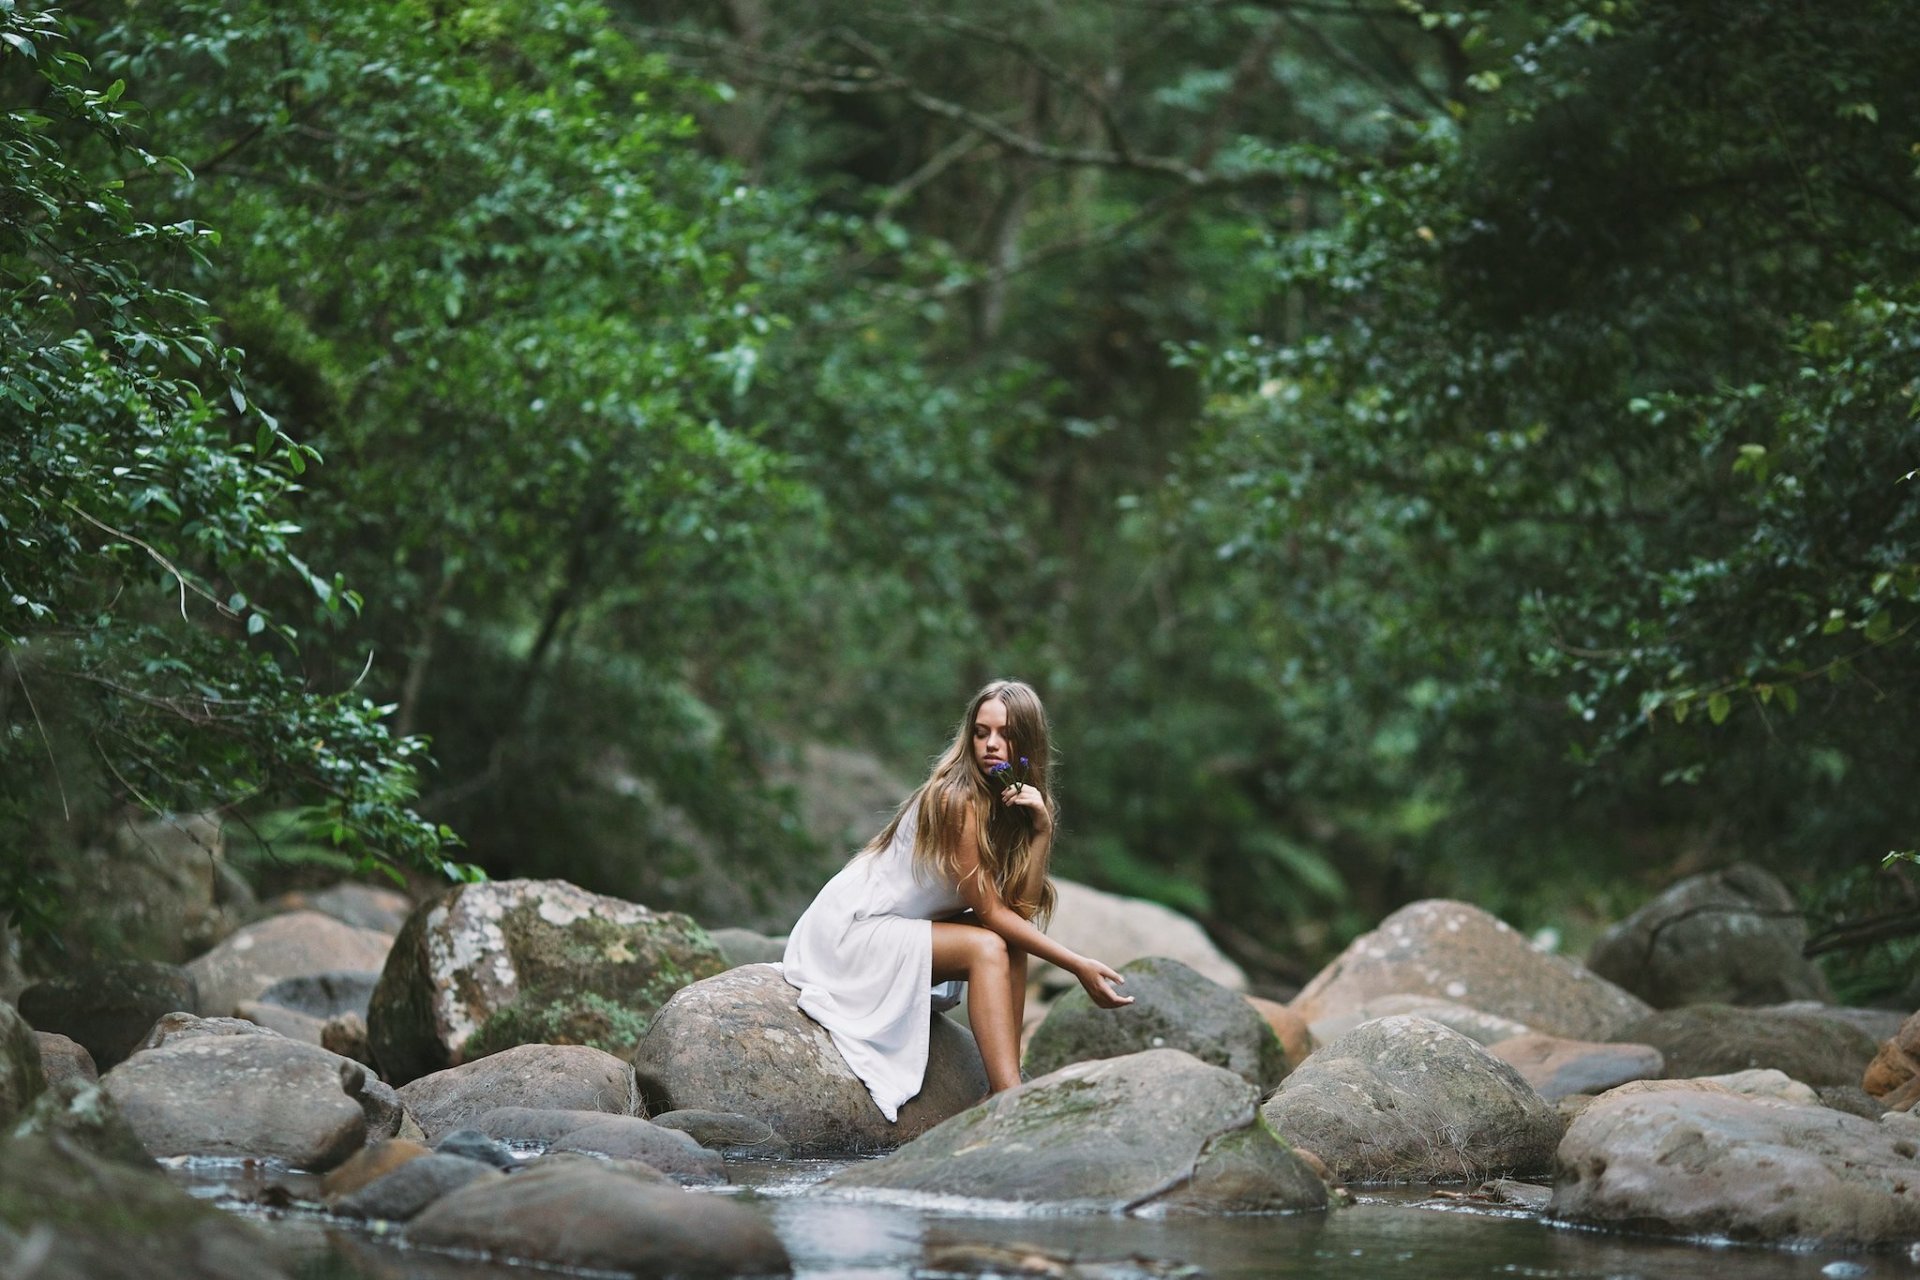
21 1078
486 967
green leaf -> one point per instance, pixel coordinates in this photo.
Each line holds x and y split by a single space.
1719 706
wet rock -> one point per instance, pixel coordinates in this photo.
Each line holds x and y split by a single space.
1457 952
1896 1063
565 1077
363 906
109 1007
1557 1067
1174 1008
62 1060
1748 1169
631 1138
178 1026
67 1213
735 1137
1726 937
1712 1039
369 1165
580 1214
1119 930
744 946
325 995
410 1187
21 1077
473 1144
253 959
1158 1131
1405 1099
533 1126
485 967
1476 1025
263 1096
738 1042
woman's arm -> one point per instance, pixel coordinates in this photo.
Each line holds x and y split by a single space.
991 910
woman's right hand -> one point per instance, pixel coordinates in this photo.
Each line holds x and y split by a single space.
1099 980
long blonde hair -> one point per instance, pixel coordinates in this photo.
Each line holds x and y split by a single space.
1003 834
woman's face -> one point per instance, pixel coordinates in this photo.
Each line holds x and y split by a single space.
990 741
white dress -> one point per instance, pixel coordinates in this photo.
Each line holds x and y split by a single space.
862 957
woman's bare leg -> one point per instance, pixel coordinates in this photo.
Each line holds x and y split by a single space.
1017 981
979 957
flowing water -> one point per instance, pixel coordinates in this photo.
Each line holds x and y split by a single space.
1419 1235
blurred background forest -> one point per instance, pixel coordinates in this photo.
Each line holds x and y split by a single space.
1416 450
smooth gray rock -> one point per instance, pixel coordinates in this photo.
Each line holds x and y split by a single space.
262 1096
282 1021
744 946
303 942
413 1186
161 889
486 967
363 906
107 1008
21 1077
735 1137
630 1138
560 1076
1120 930
1732 936
582 1214
1455 951
1157 1132
324 995
1404 1099
1174 1008
1484 1028
1558 1068
533 1126
174 1027
738 1042
1712 1039
1747 1169
474 1144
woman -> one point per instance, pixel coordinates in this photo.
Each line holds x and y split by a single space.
948 892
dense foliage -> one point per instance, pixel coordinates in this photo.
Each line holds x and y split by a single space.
1416 449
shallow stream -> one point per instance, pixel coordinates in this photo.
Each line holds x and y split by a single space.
1418 1234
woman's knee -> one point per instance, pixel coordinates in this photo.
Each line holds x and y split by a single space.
988 951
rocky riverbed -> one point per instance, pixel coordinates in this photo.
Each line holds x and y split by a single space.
538 1075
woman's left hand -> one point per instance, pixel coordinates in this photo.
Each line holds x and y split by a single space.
1027 796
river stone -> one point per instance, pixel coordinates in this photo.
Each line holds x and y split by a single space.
630 1138
735 1137
179 1025
1880 1024
1174 1008
160 889
1732 936
1897 1062
533 1126
79 1113
744 946
405 1190
560 1076
324 995
363 906
1296 1038
1119 930
1405 1099
1557 1068
1711 1039
475 1145
485 967
738 1042
576 1213
109 1007
1747 1169
88 1217
1456 951
370 1164
299 943
261 1096
61 1059
281 1021
22 1078
1157 1131
1476 1025
1777 1086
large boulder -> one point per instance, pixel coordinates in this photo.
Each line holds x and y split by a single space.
1747 1169
21 1076
1457 952
1174 1008
1475 1024
108 1007
159 889
738 1042
1119 930
363 906
260 955
1711 1039
1558 1068
84 1216
582 1213
1404 1099
262 1096
562 1077
1158 1132
1733 936
485 967
325 995
1891 1075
